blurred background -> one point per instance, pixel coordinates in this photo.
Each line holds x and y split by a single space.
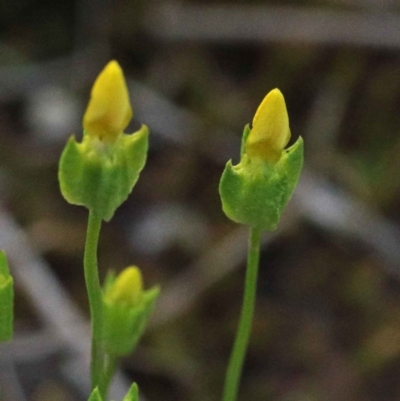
327 321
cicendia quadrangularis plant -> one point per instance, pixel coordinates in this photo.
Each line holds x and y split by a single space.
99 173
254 193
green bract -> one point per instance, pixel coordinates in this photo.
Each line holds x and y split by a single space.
100 175
6 300
255 191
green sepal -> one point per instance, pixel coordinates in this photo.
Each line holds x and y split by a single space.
6 300
255 192
245 134
133 393
95 396
123 324
100 175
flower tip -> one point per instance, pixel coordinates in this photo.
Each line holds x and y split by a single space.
111 73
273 99
109 110
113 65
127 287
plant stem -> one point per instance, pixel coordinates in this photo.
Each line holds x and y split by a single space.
109 370
235 366
95 299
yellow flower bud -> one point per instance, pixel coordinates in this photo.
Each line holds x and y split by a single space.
127 288
109 110
270 132
127 308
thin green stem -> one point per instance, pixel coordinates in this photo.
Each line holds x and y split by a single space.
95 299
109 370
235 366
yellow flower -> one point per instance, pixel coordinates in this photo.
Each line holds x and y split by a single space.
109 110
270 132
127 288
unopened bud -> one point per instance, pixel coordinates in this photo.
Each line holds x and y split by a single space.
270 132
109 110
127 288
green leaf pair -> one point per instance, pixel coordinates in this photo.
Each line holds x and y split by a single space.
132 395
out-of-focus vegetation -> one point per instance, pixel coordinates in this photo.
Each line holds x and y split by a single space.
327 324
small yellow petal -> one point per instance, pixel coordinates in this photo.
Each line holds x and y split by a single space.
270 132
109 110
127 288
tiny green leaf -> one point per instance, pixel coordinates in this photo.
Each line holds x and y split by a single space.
133 393
95 396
